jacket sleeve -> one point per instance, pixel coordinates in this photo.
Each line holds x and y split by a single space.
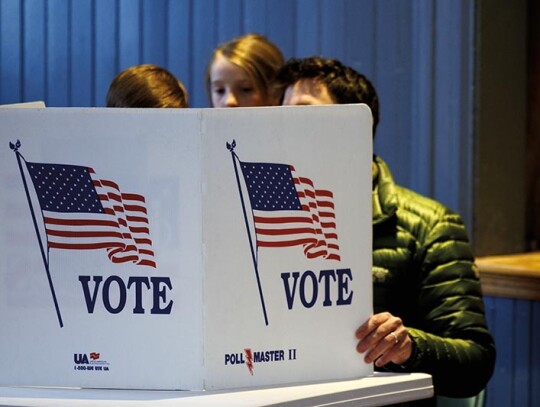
451 339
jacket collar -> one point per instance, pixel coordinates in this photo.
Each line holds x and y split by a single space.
384 197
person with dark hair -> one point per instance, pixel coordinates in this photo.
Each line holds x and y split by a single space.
146 86
429 314
303 81
241 72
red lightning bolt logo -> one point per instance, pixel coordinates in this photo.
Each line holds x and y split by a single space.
249 360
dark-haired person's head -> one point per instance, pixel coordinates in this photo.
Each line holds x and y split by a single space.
317 80
146 85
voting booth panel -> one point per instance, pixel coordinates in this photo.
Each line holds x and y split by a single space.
184 248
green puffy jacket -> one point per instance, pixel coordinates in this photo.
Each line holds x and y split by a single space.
424 273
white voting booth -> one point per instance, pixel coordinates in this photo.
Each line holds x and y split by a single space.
184 248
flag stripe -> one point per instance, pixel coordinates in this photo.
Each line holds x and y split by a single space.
79 222
264 219
282 232
63 233
81 246
136 219
286 243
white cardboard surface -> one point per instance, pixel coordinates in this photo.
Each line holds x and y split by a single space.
202 305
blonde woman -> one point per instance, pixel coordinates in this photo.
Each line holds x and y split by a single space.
241 71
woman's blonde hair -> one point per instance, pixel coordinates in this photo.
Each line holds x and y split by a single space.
257 55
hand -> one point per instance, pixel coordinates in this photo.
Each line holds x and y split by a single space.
384 339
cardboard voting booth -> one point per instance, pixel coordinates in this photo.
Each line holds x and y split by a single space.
184 248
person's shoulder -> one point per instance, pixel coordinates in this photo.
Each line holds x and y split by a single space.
411 207
414 207
415 201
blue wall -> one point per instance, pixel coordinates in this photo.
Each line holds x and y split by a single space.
515 325
418 53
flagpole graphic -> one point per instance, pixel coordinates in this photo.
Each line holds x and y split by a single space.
15 147
83 212
287 210
231 147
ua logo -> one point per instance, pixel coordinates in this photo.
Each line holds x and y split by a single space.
80 358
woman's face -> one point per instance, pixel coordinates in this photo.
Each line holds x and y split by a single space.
231 86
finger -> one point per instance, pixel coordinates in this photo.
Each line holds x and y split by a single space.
379 333
397 353
371 324
382 351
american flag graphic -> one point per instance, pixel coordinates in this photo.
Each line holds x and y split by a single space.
82 212
289 211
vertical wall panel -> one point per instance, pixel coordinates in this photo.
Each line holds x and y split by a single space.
280 24
204 41
422 97
500 388
515 325
154 45
229 19
535 356
447 65
522 353
467 103
453 115
393 64
129 33
179 33
81 54
10 51
255 16
58 69
33 81
106 46
307 34
333 29
491 316
360 44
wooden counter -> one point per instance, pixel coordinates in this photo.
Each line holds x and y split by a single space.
512 276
